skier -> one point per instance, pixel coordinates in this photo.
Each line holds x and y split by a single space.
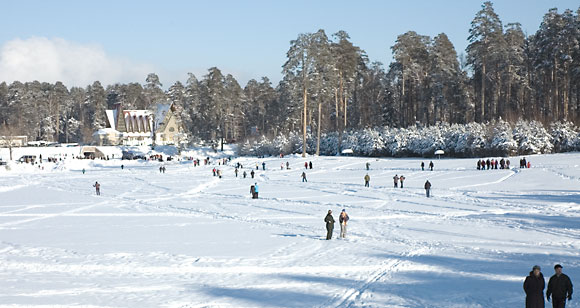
559 287
401 178
329 220
431 165
236 172
368 165
310 165
427 187
396 180
304 177
256 190
244 174
534 288
422 166
305 165
252 174
367 180
97 187
343 219
263 166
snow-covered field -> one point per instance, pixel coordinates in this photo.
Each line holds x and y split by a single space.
188 239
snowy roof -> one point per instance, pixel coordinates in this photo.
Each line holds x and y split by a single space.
111 116
106 131
162 110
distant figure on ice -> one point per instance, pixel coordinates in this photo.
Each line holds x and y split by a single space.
396 181
329 220
263 166
401 179
256 191
559 287
367 180
343 219
305 165
214 170
160 169
252 174
478 164
122 167
304 177
534 288
287 166
427 188
282 166
423 166
244 174
83 170
236 172
253 191
431 165
97 187
310 165
368 165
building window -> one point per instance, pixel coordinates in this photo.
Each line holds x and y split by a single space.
171 129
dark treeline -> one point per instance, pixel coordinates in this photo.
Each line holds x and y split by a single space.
329 85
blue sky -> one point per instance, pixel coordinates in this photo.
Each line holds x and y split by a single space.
120 41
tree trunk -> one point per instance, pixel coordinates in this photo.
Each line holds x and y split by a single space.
482 104
304 123
556 103
319 125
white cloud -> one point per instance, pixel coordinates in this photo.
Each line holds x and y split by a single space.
55 59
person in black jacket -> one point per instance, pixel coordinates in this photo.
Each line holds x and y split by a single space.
534 288
559 287
329 220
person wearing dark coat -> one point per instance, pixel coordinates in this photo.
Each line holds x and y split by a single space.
534 288
427 188
431 165
310 165
423 166
329 220
560 288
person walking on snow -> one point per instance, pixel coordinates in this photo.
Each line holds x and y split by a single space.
310 165
427 188
431 165
263 166
236 172
281 166
423 166
253 191
534 288
244 174
287 166
256 190
252 174
560 288
343 219
368 165
396 181
305 165
401 178
304 177
329 220
97 187
367 180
